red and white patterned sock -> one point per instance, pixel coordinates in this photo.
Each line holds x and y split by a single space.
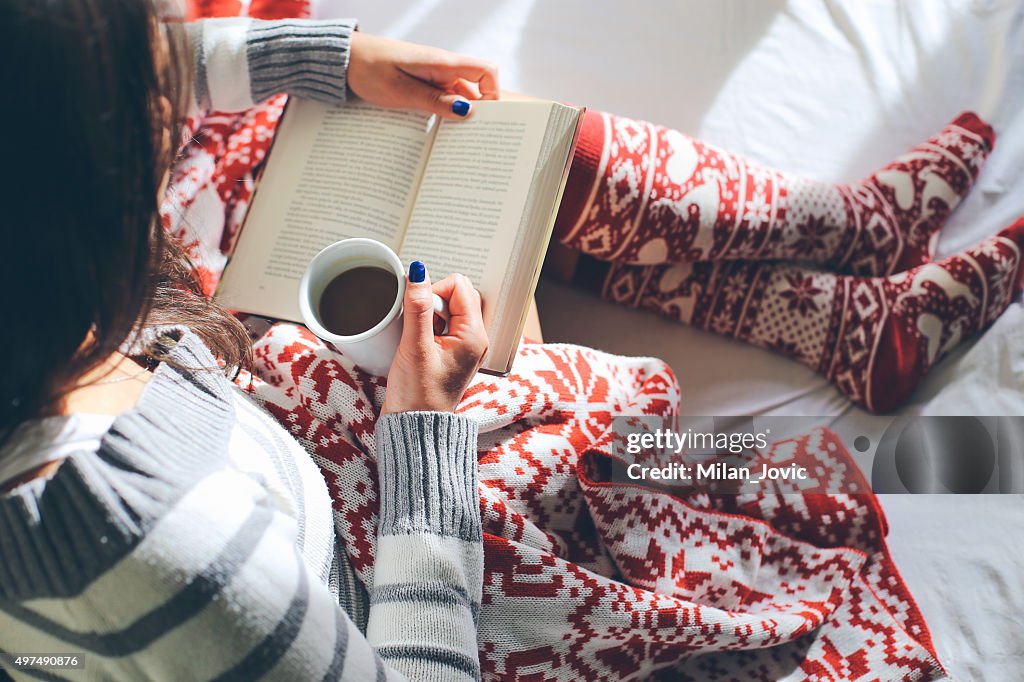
258 9
873 337
644 194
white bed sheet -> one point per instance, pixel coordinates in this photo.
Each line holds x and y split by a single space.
828 88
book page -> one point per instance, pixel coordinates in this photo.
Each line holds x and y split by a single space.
527 253
473 194
334 173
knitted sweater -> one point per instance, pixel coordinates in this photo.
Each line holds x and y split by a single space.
191 544
170 553
241 61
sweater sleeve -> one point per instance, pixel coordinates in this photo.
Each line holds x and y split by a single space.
428 572
240 61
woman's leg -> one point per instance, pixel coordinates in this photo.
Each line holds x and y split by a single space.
873 337
643 194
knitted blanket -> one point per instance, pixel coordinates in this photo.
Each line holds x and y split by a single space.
586 578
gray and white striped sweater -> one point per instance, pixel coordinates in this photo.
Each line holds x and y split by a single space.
195 543
171 553
240 61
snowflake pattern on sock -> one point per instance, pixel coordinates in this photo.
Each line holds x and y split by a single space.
654 195
875 338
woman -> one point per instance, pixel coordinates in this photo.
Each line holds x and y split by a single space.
119 446
119 457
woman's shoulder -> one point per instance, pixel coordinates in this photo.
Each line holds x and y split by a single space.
62 532
93 565
60 535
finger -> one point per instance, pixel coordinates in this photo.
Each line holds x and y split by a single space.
466 330
418 318
464 303
426 97
466 88
484 73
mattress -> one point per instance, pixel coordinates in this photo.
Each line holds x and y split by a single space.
827 88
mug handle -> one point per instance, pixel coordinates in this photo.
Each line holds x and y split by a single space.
441 310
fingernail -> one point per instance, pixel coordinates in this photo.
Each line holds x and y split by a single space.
460 107
417 272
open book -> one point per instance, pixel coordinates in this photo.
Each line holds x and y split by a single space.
477 197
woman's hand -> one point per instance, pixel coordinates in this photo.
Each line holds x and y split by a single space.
431 373
392 73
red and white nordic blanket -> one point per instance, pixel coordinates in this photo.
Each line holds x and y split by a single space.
585 578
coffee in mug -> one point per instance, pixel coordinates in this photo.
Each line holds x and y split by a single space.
357 299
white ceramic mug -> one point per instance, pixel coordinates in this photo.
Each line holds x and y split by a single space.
374 349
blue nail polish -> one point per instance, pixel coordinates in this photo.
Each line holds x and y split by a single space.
417 272
460 107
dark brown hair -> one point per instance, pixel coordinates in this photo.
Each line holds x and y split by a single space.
93 92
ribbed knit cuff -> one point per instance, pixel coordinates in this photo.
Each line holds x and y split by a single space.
426 465
300 57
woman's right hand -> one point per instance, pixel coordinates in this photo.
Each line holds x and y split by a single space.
431 373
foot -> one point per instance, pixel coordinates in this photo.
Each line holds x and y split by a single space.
875 338
897 328
897 212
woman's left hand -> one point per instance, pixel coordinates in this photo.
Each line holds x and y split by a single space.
392 73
